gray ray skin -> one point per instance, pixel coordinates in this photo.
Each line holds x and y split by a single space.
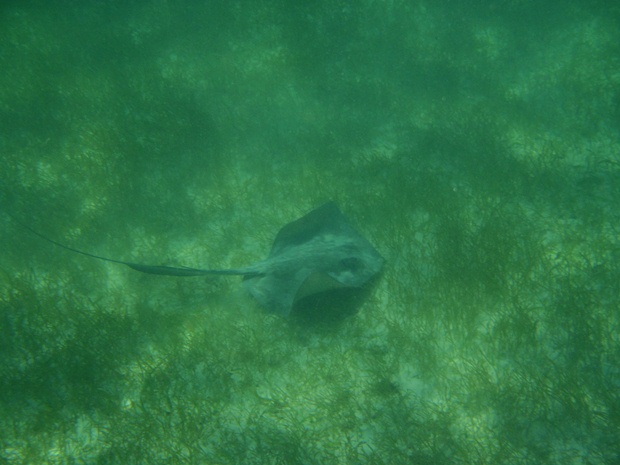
316 253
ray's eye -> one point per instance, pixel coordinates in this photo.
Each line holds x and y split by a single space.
351 263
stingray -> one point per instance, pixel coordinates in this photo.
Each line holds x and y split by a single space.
314 254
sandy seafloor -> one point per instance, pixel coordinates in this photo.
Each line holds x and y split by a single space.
475 144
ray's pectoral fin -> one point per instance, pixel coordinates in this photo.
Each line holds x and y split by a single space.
316 283
276 292
280 293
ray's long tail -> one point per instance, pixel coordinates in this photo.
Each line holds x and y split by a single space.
150 269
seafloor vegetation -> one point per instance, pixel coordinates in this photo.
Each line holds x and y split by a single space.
477 148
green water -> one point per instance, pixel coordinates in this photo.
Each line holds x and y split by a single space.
475 144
